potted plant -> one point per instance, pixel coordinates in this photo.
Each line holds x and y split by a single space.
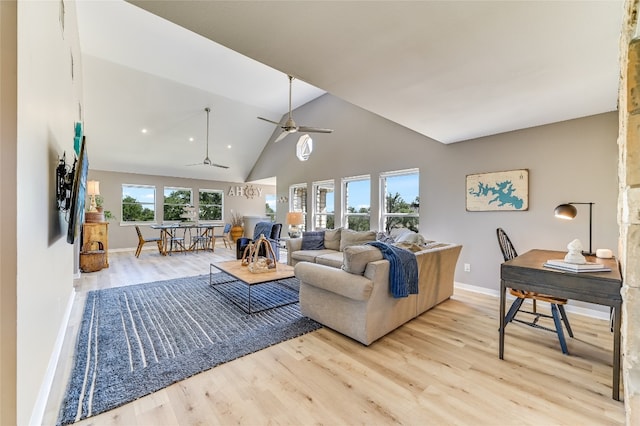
99 203
236 226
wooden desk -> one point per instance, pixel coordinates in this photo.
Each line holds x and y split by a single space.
526 272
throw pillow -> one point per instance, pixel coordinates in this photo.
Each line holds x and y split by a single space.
332 239
357 257
411 238
396 233
313 240
350 238
382 237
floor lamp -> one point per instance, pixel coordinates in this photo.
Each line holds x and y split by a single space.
568 211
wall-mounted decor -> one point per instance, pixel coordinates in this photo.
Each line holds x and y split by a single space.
78 194
64 183
498 191
248 191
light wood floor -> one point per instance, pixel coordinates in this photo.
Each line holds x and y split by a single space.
441 368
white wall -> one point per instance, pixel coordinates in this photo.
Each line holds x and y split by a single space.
570 161
48 106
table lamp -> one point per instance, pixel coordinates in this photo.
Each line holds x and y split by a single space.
568 211
294 219
93 189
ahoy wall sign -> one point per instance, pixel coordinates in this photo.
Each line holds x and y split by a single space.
248 191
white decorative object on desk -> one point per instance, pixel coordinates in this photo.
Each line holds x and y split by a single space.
604 253
575 253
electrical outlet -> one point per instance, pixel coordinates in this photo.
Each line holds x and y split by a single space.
467 267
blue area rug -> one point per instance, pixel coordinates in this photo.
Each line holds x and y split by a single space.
138 339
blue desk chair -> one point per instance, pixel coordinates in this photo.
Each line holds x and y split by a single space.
557 305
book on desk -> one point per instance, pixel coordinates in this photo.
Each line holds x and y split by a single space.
575 267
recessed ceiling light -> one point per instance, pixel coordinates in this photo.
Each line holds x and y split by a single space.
144 130
229 146
190 139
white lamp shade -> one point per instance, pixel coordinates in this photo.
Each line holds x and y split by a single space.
295 218
93 187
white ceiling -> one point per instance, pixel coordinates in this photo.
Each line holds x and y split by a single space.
451 70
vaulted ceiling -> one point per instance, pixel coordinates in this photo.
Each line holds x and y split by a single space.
450 70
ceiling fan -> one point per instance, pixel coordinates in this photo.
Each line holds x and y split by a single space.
207 161
290 126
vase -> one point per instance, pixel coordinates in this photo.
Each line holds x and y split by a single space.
236 232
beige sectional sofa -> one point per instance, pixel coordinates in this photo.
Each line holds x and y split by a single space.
349 290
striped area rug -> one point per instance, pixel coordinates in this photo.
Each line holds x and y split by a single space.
138 339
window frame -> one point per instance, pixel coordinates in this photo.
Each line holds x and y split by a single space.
221 206
345 199
384 215
302 205
316 215
124 187
164 204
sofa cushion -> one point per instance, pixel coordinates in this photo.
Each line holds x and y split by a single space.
313 240
332 239
309 255
356 258
334 280
350 238
333 259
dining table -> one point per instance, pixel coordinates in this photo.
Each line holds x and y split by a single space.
186 237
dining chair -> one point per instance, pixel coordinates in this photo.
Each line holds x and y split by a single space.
174 238
558 313
226 239
142 241
202 239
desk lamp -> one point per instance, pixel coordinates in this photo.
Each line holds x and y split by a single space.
568 211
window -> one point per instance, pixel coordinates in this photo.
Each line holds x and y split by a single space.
298 201
270 207
175 200
138 203
304 147
356 193
401 200
323 205
210 205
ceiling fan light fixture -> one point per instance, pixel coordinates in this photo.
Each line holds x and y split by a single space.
207 161
289 125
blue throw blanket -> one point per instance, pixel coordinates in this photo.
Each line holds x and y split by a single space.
403 269
262 228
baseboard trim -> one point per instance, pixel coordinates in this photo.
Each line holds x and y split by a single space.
578 310
37 414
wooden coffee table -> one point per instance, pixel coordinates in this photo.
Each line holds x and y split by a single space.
236 270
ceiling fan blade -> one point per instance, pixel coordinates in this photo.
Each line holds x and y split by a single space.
269 121
194 164
281 136
314 129
219 165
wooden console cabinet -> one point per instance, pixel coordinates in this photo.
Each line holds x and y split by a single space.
97 231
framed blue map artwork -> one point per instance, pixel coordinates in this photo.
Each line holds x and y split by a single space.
498 191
